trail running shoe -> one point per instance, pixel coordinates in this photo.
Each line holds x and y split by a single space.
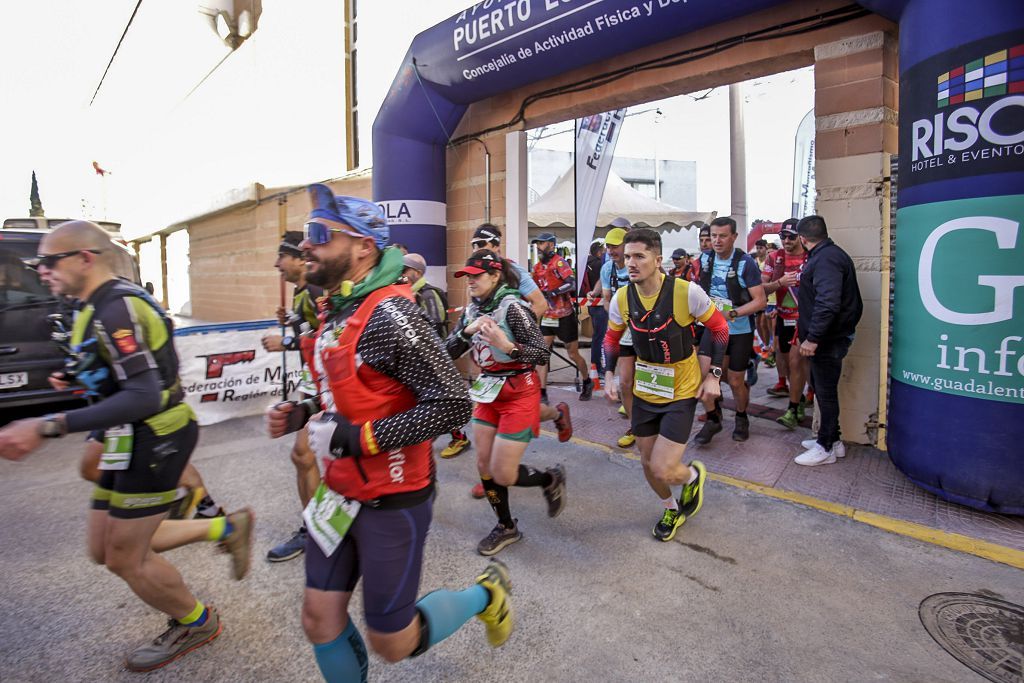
752 370
498 615
554 493
588 389
769 360
779 390
692 497
627 439
290 549
178 640
788 419
622 411
708 431
741 432
801 409
239 542
454 447
665 529
499 538
478 490
563 423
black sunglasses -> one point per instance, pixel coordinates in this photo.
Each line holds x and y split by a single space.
788 237
50 260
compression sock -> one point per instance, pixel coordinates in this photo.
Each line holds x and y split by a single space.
220 528
670 503
741 413
497 496
197 617
344 658
531 477
444 612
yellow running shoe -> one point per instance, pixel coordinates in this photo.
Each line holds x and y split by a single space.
622 411
454 447
497 616
627 439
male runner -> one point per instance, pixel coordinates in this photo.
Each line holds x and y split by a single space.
434 305
704 236
660 310
388 389
733 281
765 320
557 281
681 266
614 275
122 340
301 323
781 275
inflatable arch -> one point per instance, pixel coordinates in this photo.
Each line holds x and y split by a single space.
956 414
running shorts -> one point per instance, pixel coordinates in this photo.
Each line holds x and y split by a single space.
516 411
739 350
672 420
567 331
786 334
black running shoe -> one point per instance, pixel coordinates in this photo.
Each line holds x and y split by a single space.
499 537
554 493
710 428
741 432
544 396
588 389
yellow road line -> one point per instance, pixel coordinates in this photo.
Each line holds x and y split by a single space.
945 539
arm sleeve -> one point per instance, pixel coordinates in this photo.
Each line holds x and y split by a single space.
828 291
138 398
527 335
714 322
121 330
411 353
455 344
616 326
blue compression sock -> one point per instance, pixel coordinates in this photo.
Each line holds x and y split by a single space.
344 659
446 611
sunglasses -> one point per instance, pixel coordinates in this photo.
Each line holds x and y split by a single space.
320 233
479 244
50 260
788 237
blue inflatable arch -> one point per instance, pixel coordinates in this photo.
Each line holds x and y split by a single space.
951 441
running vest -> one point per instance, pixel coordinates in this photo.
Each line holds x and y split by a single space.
491 359
738 294
657 337
361 394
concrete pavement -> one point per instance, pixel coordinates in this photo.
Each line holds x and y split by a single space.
752 589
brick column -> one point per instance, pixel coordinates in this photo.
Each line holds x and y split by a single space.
856 103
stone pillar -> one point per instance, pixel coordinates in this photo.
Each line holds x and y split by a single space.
855 102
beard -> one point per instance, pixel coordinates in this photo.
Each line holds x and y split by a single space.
331 273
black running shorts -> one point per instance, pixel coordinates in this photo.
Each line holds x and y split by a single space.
672 420
567 331
739 350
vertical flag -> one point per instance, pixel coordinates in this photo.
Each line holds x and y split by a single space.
595 148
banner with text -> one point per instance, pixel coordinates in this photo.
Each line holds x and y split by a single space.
595 148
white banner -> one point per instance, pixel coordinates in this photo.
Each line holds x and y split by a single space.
595 148
226 373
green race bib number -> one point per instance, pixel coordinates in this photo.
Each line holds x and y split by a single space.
655 379
486 388
328 518
721 304
117 448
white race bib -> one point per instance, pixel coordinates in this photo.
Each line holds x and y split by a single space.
655 379
328 518
117 448
486 388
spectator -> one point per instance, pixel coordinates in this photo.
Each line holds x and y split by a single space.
705 238
682 268
591 289
830 308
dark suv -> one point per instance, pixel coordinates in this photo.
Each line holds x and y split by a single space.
28 353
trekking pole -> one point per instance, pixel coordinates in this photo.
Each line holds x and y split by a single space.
284 351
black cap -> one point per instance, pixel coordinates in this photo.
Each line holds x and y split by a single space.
290 244
487 232
789 225
544 237
679 253
705 230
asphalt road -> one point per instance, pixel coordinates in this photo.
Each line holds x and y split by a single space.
752 589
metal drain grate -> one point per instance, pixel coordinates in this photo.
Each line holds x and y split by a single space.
984 633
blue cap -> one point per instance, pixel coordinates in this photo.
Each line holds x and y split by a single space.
360 214
544 237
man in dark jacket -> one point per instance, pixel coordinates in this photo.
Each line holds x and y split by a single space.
830 308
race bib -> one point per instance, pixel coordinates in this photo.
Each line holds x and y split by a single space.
306 384
548 322
721 304
786 322
486 388
328 518
655 379
117 448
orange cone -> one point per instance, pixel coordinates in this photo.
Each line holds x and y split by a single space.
594 377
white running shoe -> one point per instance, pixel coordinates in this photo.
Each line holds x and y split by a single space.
815 455
838 448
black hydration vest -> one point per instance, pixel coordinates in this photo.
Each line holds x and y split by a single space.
738 294
657 336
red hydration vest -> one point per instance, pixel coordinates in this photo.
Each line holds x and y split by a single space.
361 395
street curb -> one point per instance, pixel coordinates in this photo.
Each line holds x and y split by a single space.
946 539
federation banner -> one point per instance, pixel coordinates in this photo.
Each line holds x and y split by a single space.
595 148
226 373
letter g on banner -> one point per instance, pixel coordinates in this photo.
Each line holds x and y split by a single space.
1004 285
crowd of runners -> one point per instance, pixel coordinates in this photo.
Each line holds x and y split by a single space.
380 384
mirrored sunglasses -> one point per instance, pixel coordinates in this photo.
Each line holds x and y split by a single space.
320 233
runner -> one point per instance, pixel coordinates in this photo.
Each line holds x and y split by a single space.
660 312
434 305
733 281
123 343
682 268
613 276
301 322
488 236
765 320
781 277
558 283
388 389
507 345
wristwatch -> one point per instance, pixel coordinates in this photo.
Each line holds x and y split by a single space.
52 427
732 314
715 372
515 352
287 341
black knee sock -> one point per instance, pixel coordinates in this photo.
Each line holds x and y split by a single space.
793 406
715 415
497 496
531 477
741 413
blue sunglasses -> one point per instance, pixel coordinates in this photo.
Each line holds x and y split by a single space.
320 233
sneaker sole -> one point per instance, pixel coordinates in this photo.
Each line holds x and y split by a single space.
788 426
564 434
561 499
142 670
501 546
702 475
238 575
827 461
809 443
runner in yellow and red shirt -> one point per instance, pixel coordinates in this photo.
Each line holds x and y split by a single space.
557 281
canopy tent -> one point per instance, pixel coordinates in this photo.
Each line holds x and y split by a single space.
556 209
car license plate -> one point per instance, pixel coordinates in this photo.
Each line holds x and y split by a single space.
13 380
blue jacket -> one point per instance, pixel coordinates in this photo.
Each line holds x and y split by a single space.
829 298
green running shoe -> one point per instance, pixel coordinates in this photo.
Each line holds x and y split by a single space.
801 409
788 419
665 529
692 497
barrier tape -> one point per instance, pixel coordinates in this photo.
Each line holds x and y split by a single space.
577 300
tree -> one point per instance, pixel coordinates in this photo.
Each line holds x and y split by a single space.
36 209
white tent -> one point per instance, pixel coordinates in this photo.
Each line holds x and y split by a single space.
556 208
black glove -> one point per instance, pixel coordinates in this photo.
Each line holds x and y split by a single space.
300 414
333 434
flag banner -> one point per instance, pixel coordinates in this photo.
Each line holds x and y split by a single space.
226 373
595 148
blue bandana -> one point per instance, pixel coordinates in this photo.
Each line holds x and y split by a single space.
362 215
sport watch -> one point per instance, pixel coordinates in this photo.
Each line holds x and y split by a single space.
515 352
52 427
715 372
288 341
